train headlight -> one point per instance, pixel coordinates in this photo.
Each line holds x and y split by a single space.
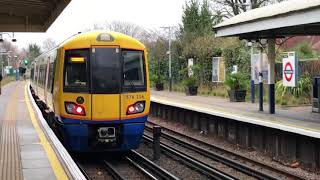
105 37
73 108
135 108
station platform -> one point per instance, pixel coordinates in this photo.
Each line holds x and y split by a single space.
298 120
27 149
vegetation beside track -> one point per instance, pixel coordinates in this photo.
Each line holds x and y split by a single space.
7 80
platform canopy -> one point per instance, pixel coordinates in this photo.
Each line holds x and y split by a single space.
293 17
29 15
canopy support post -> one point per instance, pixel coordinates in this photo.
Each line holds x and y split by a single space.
271 74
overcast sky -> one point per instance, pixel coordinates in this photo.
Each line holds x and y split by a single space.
81 14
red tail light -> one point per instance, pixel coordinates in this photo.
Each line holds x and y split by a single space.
73 108
138 107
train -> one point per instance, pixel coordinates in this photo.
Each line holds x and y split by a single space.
96 91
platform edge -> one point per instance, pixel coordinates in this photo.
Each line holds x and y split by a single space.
68 161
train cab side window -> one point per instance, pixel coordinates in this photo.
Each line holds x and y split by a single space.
133 71
76 70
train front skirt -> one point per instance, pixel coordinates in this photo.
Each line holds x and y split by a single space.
90 136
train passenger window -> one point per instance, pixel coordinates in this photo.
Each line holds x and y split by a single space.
50 79
133 71
76 73
32 74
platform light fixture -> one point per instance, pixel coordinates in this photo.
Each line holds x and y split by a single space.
12 37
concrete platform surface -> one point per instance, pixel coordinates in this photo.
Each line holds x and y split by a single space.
24 151
292 119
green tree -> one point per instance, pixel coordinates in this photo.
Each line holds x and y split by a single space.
205 21
191 17
157 58
197 39
33 51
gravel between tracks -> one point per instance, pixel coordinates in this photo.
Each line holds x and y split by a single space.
258 156
206 160
94 170
172 165
127 170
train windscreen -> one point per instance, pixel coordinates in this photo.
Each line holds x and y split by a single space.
133 71
106 71
75 70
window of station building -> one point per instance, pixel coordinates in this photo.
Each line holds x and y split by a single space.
133 71
76 70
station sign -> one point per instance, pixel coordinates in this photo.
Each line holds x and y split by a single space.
289 69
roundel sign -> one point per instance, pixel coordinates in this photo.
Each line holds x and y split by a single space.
289 69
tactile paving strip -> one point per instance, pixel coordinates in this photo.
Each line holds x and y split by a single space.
10 160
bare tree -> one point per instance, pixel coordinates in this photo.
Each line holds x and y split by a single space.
229 8
127 28
13 55
146 36
48 44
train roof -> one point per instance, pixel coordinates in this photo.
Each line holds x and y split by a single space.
88 39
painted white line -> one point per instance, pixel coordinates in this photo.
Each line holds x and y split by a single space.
71 165
287 127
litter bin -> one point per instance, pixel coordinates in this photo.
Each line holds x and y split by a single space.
316 94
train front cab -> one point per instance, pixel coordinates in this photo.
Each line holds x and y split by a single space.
105 98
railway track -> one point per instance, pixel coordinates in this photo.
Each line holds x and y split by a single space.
150 170
240 163
201 167
130 166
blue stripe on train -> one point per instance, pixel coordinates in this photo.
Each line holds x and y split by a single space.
77 121
77 135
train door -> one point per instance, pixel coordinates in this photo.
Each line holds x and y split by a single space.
105 82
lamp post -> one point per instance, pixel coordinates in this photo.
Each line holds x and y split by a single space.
169 53
2 66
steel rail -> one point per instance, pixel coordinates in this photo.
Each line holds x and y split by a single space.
144 171
83 171
112 171
223 159
192 162
157 170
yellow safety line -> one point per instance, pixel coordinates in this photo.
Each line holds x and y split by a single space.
53 159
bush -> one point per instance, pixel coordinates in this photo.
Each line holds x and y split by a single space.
157 79
303 88
304 50
237 55
237 81
192 80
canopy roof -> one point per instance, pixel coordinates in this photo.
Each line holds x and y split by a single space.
29 15
293 17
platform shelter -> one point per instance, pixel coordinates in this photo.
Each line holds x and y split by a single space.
29 15
282 20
